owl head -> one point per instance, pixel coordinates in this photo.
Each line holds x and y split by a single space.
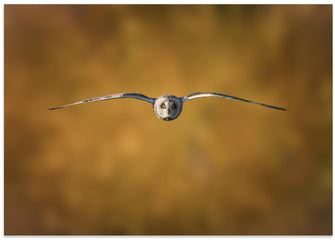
168 107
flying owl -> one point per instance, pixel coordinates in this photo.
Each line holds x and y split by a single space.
166 107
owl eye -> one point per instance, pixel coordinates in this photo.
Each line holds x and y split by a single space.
163 106
173 106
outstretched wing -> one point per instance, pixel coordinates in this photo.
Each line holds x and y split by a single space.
113 96
212 94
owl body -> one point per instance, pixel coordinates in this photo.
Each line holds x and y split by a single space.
167 107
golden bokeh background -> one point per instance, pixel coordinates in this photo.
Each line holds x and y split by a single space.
222 167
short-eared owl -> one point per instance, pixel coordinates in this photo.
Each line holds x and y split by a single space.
166 107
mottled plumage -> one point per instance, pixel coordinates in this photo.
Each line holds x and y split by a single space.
166 107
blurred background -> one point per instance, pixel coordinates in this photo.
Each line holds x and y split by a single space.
223 167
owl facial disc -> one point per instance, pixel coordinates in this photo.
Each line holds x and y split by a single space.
168 107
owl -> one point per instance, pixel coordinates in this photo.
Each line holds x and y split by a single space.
167 107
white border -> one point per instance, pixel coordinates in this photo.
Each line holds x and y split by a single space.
167 2
143 2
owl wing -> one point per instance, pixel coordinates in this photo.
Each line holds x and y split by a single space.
212 94
108 97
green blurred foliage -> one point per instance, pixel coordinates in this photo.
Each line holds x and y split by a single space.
223 167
